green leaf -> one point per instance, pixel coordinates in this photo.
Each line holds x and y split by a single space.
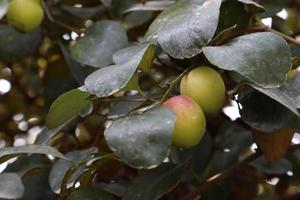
262 112
15 45
263 58
31 149
99 43
66 107
84 12
60 167
11 186
90 193
184 28
150 6
109 80
253 6
153 184
3 8
284 95
142 140
272 167
78 71
46 134
124 55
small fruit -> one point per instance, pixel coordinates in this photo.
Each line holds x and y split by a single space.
25 15
206 87
190 122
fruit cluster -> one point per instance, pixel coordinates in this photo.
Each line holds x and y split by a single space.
25 15
202 94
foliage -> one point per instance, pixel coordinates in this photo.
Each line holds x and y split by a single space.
82 95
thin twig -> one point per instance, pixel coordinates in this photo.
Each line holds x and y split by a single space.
172 84
57 22
196 194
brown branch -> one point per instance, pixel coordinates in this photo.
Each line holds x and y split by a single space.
206 185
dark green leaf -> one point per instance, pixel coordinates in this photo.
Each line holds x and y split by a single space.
84 12
79 72
142 140
90 193
15 45
262 112
66 107
61 166
150 6
111 79
278 167
253 6
46 134
184 28
99 43
263 58
153 184
31 149
11 186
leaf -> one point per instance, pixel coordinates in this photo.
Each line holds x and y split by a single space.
278 167
274 145
60 167
90 193
3 8
142 140
124 55
284 95
184 28
66 107
31 149
46 134
99 43
108 80
14 45
11 186
84 12
263 58
253 6
153 184
150 6
79 72
262 112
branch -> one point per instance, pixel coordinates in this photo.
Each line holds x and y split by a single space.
59 23
196 194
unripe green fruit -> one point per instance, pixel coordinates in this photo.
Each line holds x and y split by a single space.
206 87
190 122
25 15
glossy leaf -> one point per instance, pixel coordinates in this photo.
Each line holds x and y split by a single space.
61 166
142 140
11 186
262 112
150 6
109 80
99 43
66 107
262 58
90 193
184 28
31 149
153 184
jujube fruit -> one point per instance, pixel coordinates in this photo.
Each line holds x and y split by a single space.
206 87
25 15
190 122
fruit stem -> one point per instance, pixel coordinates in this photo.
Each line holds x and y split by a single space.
172 84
